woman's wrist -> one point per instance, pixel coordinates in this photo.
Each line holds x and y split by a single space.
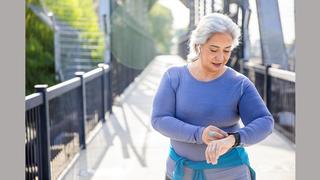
231 141
236 137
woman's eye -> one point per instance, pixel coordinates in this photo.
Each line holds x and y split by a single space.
213 50
226 51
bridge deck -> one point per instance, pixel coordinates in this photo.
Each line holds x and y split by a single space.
126 146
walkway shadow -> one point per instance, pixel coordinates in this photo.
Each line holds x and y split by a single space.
90 158
124 133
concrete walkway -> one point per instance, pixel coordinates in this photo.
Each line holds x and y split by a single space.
127 148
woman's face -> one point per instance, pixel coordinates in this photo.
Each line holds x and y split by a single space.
215 53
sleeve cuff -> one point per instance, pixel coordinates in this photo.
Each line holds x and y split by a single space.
199 135
242 139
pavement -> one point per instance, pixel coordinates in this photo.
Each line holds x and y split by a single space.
127 147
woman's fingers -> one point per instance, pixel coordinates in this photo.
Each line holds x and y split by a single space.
207 155
218 152
210 153
215 135
213 151
218 130
211 133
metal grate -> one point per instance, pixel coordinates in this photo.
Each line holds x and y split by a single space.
94 103
122 76
65 114
283 92
279 90
257 78
32 144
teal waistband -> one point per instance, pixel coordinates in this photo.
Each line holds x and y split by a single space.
235 157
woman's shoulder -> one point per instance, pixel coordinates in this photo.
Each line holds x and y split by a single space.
237 75
174 74
241 79
176 68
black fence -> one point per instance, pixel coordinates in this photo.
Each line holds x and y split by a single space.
183 45
277 87
58 119
122 76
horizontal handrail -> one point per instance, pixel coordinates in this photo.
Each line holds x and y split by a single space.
61 88
282 74
273 72
257 67
33 100
92 74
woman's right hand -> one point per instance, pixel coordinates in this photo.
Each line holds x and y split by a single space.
211 133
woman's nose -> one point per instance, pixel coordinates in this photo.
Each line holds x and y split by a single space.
219 56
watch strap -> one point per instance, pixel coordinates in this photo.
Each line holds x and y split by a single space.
237 138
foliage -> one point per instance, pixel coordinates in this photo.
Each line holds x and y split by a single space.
39 52
161 27
80 14
40 38
132 43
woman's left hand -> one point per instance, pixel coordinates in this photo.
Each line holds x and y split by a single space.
216 148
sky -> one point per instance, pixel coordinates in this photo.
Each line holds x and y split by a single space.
179 12
181 17
286 8
287 15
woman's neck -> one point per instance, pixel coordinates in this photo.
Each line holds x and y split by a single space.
202 73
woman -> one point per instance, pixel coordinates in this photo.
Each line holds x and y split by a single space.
199 106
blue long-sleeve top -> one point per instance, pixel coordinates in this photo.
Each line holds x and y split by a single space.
183 106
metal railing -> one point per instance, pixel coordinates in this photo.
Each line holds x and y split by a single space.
183 46
122 76
277 88
59 118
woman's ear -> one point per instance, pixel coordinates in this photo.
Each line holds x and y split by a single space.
199 49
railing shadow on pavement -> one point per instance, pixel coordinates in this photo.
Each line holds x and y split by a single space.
126 139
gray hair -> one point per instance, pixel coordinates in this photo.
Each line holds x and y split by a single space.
208 25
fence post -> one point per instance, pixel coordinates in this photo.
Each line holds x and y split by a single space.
82 137
267 86
44 136
109 89
241 64
103 88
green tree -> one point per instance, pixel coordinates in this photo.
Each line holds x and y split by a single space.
39 51
161 27
40 38
74 11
